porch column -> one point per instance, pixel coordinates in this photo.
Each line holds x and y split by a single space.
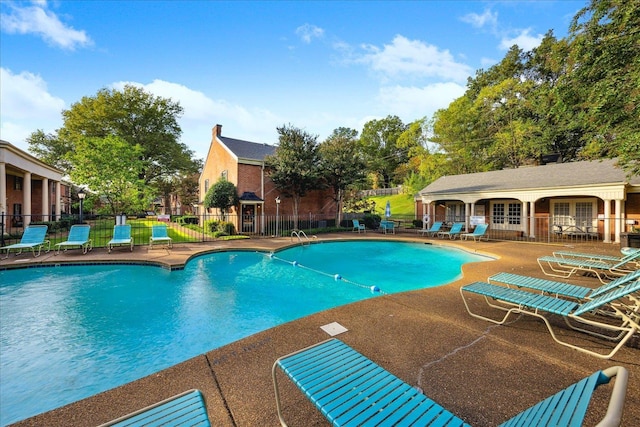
57 201
607 221
26 199
619 219
532 221
471 208
3 188
525 215
45 199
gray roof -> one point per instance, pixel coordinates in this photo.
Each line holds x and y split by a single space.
246 149
552 175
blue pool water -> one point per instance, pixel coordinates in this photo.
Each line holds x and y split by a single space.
69 332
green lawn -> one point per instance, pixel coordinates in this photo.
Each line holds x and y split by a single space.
401 204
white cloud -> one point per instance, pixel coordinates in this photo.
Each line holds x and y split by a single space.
524 40
307 32
487 19
412 103
201 113
414 58
26 105
37 19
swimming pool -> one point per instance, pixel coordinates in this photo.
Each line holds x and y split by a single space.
67 333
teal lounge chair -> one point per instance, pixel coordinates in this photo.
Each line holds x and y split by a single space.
387 225
159 235
33 237
186 409
358 227
435 227
479 233
561 289
78 236
121 236
619 302
351 390
456 230
595 257
566 267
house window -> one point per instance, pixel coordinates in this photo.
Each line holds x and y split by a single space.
506 215
17 209
206 185
575 216
455 212
224 174
17 183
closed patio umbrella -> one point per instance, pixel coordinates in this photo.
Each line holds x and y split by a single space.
387 210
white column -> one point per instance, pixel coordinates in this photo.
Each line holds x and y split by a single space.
26 199
607 221
532 221
58 200
619 220
469 211
525 215
3 188
45 199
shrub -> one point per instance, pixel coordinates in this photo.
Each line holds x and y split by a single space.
371 221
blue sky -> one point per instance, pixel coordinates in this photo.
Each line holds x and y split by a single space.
252 66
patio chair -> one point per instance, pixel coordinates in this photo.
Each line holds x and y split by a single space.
33 237
159 235
121 236
185 409
524 302
78 236
358 227
479 233
591 256
456 230
561 289
432 231
387 225
566 267
350 389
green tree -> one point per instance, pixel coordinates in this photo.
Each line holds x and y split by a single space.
294 168
341 163
110 167
605 49
222 195
133 115
380 149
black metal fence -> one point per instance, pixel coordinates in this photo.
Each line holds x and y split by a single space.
207 228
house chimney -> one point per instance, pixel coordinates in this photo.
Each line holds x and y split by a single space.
217 130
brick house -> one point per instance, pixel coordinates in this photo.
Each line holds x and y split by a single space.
30 190
243 163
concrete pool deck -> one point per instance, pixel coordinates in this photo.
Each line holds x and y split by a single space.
481 372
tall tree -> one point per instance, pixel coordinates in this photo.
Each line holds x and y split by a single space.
110 167
605 48
133 115
294 168
379 146
342 164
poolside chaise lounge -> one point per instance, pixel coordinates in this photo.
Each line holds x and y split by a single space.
358 227
350 389
33 237
561 288
159 235
479 233
591 256
78 236
456 230
566 267
186 409
433 230
618 302
121 236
